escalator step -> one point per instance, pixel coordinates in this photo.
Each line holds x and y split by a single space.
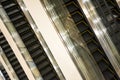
12 59
103 66
9 6
82 27
7 50
3 1
35 50
15 63
24 30
20 24
46 70
31 42
37 53
6 46
77 16
34 47
17 67
92 45
65 1
43 64
109 75
19 71
98 56
10 54
23 77
3 42
1 36
71 7
27 35
87 35
13 12
50 77
16 18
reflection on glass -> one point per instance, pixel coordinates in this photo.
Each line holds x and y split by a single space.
72 39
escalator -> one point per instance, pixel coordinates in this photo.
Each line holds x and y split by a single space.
109 11
5 74
90 39
12 58
29 39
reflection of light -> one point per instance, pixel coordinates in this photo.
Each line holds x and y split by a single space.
96 32
1 76
100 32
50 7
104 30
86 12
14 34
33 26
71 47
84 1
96 20
64 35
55 17
23 7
